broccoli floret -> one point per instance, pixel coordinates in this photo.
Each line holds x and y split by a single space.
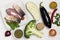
31 29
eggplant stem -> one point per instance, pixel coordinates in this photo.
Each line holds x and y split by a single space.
40 4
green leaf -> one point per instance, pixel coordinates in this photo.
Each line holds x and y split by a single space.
57 22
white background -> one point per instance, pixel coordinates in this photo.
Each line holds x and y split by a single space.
7 3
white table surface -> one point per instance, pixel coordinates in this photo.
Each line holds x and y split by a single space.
45 30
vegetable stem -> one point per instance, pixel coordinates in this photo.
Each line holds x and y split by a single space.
53 15
37 33
40 4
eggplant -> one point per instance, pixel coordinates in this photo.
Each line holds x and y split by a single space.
13 12
10 18
33 10
45 17
19 10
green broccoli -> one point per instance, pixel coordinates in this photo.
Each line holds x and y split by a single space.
31 29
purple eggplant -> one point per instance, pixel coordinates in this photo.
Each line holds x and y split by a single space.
45 17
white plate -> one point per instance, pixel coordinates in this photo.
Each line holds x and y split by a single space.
8 4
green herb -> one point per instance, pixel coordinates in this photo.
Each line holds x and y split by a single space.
13 25
57 21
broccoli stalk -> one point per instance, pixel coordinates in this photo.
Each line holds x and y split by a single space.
31 29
